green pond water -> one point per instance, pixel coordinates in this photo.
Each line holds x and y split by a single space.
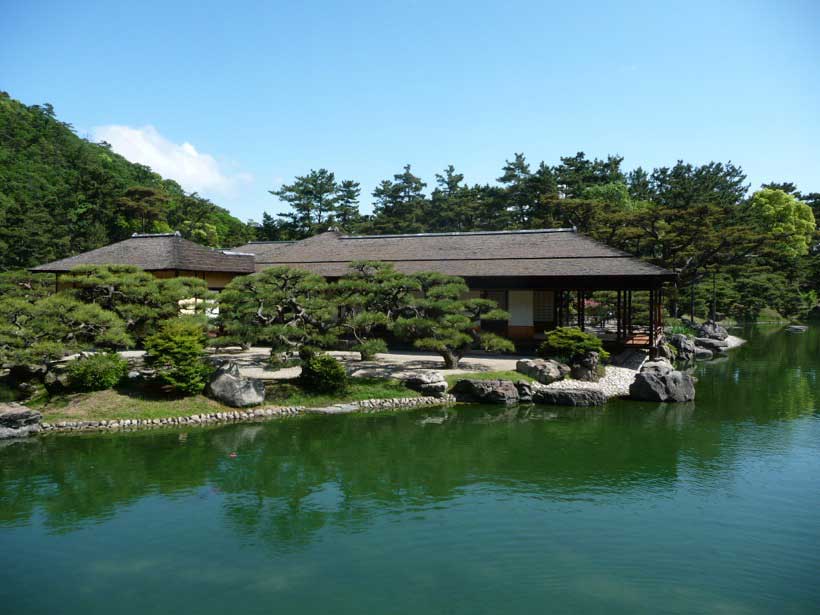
711 507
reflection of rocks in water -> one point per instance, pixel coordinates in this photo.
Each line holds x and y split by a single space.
31 444
524 414
671 415
437 418
507 415
231 438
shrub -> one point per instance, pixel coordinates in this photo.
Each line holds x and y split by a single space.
176 351
96 372
679 326
323 373
369 348
564 343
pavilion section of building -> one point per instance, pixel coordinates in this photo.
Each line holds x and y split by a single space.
542 278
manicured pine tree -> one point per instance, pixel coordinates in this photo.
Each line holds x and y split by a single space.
438 318
370 298
287 309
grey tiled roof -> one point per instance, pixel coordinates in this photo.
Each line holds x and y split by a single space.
264 250
158 252
542 253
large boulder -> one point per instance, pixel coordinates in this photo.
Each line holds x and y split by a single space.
229 387
545 371
665 350
527 390
658 381
709 343
17 421
56 381
658 365
703 354
569 397
712 330
430 383
486 391
585 367
684 347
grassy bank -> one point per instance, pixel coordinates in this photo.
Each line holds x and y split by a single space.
139 403
288 394
502 375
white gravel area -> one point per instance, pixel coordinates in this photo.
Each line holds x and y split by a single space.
615 382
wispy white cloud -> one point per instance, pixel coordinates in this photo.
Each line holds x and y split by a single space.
193 170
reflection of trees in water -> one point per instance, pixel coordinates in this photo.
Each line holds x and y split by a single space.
72 479
293 478
356 467
774 376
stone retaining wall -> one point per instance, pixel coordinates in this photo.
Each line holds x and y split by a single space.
253 414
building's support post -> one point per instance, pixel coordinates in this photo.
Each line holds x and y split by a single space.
618 317
556 307
660 309
652 316
581 315
628 313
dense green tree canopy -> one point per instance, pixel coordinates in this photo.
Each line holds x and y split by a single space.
781 214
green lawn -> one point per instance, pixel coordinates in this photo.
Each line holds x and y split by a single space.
289 394
137 403
119 404
509 375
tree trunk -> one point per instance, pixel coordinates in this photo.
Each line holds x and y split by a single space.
451 359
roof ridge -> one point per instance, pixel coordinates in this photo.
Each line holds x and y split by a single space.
146 235
460 233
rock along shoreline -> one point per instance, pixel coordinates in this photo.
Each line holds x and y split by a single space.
247 416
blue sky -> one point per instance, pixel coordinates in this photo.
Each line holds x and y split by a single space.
232 98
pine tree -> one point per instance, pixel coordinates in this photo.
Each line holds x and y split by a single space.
400 205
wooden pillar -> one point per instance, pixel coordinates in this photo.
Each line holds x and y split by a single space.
652 316
581 323
660 307
618 317
629 313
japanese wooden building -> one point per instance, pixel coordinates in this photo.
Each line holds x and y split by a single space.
166 255
542 278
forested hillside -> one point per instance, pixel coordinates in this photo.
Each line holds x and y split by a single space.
60 194
743 250
746 249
